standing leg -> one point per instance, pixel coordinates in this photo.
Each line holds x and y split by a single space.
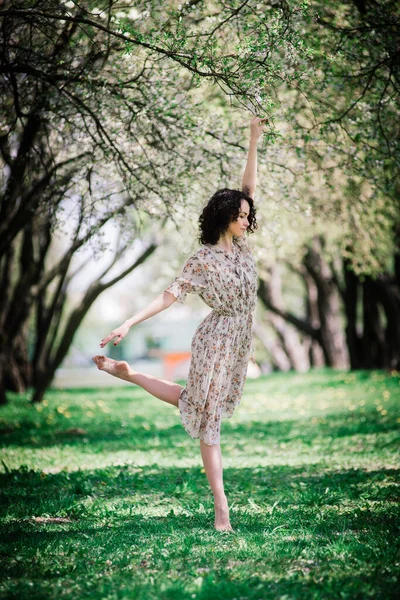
212 461
167 391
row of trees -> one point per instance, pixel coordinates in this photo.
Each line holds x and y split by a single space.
123 115
348 262
346 320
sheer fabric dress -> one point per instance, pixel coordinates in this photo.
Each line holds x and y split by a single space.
222 343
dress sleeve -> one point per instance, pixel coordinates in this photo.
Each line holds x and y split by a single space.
192 280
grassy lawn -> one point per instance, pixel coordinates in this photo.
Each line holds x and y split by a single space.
103 494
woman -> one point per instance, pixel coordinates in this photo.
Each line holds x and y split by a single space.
223 273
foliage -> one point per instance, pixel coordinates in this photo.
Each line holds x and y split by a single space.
99 85
340 130
131 115
327 74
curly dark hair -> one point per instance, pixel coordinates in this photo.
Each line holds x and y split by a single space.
223 208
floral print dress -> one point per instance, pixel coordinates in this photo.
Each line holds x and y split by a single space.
222 343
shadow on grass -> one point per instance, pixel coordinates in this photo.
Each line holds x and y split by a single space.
27 492
139 433
297 521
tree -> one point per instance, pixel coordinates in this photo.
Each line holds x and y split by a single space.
53 337
86 88
104 110
341 148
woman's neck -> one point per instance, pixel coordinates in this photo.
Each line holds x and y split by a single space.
225 242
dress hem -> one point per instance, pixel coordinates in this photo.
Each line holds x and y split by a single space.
183 421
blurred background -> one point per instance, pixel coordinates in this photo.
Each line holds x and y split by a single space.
118 124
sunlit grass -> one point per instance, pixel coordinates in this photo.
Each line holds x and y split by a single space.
311 474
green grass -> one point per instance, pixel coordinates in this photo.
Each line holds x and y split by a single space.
311 474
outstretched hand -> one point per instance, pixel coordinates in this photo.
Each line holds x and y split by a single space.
118 333
257 127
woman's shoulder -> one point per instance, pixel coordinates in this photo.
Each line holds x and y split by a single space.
203 252
198 257
205 257
206 252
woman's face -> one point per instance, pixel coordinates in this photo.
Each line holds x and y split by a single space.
238 227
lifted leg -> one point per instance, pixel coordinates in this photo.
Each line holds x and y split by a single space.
167 391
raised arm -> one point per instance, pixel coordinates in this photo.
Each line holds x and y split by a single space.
249 181
160 303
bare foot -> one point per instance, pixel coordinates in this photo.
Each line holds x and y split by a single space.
118 368
222 522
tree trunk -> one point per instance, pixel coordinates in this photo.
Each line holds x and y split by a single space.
372 343
278 357
43 382
382 296
351 299
316 355
3 371
288 337
17 301
391 303
18 375
332 338
375 352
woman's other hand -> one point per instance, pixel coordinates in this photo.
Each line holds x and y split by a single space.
118 333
